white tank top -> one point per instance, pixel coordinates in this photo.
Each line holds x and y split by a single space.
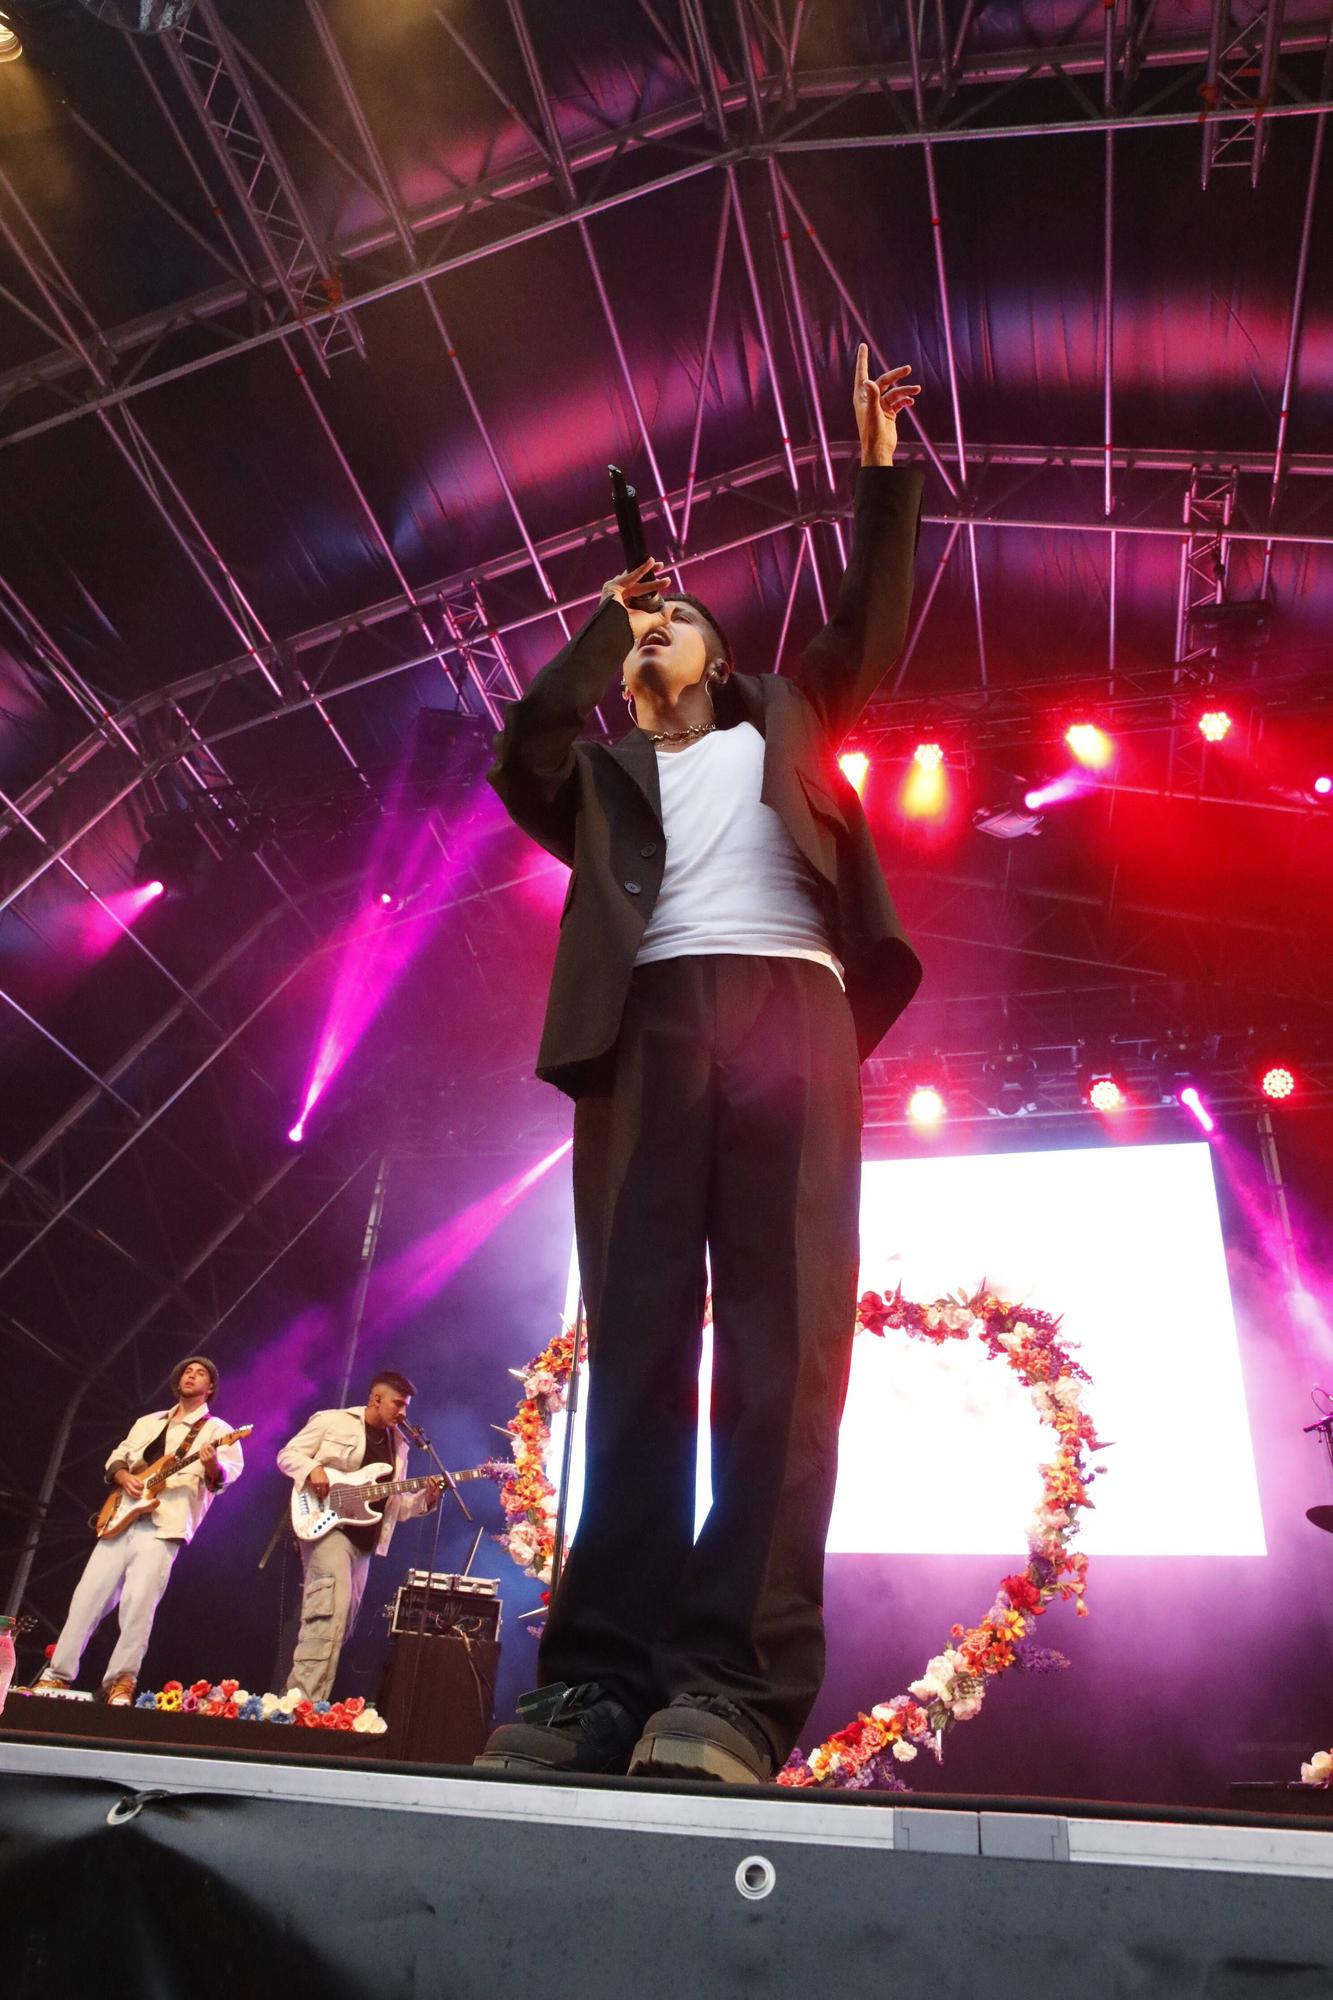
735 882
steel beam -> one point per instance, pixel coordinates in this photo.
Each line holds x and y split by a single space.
665 126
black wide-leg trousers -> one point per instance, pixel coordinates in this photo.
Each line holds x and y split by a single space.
730 1129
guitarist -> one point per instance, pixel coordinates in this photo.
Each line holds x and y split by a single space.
334 1568
133 1569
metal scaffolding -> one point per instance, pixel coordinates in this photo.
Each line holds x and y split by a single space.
747 113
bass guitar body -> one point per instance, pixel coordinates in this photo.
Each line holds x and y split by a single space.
343 1506
348 1502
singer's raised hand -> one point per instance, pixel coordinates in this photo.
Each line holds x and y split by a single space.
634 588
878 399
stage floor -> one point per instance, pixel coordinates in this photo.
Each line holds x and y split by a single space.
362 1875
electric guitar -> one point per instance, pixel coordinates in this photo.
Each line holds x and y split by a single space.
347 1502
120 1509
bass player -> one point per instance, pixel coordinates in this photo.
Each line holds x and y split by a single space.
334 1568
132 1569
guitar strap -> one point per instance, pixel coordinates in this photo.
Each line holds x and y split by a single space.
183 1448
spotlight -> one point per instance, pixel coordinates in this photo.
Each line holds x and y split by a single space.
154 888
1214 725
1277 1082
1073 785
173 856
1009 1089
1092 746
926 1106
297 1133
1105 1095
1197 1109
926 792
855 768
11 48
387 900
1323 785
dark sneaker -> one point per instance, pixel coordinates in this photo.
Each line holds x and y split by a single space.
703 1736
565 1729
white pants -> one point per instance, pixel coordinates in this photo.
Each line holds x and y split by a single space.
133 1570
333 1577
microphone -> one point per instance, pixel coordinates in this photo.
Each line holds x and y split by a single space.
629 523
414 1432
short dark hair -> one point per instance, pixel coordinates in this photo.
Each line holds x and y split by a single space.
697 604
392 1380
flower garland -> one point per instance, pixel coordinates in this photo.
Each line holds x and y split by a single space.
231 1701
1319 1771
954 1684
527 1496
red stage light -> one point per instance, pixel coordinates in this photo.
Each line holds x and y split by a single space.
1278 1082
1323 785
855 768
926 1106
1092 746
926 792
1214 724
1105 1094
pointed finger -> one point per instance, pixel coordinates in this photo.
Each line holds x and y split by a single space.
862 366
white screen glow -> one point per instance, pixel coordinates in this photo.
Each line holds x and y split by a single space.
940 1448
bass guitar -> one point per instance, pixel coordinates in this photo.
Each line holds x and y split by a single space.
348 1502
121 1510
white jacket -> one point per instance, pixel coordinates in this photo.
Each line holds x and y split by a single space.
337 1439
187 1496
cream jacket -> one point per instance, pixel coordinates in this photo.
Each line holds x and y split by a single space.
186 1497
337 1439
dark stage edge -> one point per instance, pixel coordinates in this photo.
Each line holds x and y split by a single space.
135 1869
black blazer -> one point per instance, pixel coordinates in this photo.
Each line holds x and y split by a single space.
597 806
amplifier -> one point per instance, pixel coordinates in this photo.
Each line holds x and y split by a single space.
435 1603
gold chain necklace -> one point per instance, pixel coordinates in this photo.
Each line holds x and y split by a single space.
680 735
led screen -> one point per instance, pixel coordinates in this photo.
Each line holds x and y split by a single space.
940 1447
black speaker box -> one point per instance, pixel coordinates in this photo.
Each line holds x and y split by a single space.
438 1696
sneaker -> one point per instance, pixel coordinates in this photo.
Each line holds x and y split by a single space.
703 1736
575 1729
119 1693
49 1683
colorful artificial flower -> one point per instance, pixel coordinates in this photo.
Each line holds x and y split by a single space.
1319 1770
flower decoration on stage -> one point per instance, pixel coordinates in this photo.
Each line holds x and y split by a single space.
229 1701
1319 1771
526 1494
954 1684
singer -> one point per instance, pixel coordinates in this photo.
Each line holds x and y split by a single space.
728 955
333 1570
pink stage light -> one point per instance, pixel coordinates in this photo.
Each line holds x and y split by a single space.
297 1133
1092 746
1106 1096
926 1106
152 889
1214 725
425 1267
1070 786
855 768
1197 1109
1278 1082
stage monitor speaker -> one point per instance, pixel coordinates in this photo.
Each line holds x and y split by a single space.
438 1696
